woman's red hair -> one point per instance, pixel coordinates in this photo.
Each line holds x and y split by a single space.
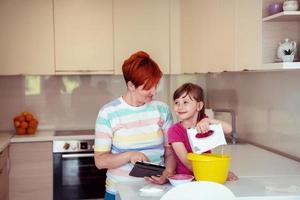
140 69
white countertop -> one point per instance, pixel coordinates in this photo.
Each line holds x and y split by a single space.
5 140
262 175
39 136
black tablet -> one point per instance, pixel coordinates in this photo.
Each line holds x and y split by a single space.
142 169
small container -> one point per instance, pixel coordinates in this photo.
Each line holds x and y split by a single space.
290 5
275 8
179 179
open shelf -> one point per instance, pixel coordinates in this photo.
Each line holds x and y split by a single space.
282 65
283 16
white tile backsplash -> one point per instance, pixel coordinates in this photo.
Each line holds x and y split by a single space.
267 106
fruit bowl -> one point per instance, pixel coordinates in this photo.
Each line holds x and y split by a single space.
25 123
179 179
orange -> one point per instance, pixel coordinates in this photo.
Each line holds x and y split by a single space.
17 124
21 131
33 123
31 130
24 125
29 117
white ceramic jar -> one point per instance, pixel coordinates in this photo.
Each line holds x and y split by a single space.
290 5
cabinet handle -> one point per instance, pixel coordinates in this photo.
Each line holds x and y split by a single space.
1 170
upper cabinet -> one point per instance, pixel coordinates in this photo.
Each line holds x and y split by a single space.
142 25
235 35
26 37
248 52
207 35
83 36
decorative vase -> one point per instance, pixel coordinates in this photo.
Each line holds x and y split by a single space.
290 5
288 58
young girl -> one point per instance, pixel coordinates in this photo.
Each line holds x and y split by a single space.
189 108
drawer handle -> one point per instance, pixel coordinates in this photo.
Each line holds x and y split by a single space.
1 170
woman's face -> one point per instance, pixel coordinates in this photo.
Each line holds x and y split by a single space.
143 96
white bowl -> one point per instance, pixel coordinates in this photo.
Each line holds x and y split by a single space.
179 179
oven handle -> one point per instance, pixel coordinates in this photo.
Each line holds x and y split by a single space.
78 155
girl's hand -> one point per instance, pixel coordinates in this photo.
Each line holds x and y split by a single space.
159 179
203 125
231 176
136 156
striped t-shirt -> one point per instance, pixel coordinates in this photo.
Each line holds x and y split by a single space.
121 128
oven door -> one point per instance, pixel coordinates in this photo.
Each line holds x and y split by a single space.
76 177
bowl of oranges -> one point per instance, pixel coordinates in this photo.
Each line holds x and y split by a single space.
25 123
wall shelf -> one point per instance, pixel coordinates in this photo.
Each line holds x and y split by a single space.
283 16
282 65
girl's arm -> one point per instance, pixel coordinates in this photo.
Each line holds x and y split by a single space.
203 125
181 152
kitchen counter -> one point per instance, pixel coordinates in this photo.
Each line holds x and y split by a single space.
39 136
5 140
262 175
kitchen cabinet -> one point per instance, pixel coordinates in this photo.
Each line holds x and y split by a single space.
31 172
4 169
143 25
83 36
248 42
26 37
207 36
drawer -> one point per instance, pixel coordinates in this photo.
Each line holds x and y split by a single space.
4 182
3 158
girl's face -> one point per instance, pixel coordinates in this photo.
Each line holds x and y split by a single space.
187 108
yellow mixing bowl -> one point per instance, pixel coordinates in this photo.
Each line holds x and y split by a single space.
210 167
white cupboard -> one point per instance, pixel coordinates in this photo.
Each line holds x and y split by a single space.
207 36
26 37
31 171
83 36
142 25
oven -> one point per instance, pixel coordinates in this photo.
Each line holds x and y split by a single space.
75 174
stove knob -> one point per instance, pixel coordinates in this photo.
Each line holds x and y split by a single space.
66 146
73 147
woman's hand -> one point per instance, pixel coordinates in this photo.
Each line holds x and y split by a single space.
136 156
160 180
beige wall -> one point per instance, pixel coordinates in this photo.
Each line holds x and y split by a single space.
267 105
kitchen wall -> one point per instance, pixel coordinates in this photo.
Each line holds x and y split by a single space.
70 102
267 105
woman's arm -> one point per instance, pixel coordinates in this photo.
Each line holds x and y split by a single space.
170 168
181 153
107 160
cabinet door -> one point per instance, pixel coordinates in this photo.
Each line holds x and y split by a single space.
26 37
31 171
249 34
208 35
142 25
83 35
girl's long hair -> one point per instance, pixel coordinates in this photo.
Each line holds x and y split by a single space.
194 92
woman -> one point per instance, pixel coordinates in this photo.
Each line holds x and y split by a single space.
134 127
